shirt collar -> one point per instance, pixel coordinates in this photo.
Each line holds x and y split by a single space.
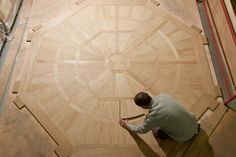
150 104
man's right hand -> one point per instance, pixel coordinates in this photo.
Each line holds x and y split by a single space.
123 123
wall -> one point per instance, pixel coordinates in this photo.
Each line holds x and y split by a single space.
226 35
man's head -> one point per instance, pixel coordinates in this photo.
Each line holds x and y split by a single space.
142 99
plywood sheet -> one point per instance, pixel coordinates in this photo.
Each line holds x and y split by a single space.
86 66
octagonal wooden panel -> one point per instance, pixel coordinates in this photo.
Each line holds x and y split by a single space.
85 67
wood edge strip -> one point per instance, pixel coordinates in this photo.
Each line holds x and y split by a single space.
197 29
65 147
19 103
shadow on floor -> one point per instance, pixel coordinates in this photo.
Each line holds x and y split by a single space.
200 146
143 146
197 147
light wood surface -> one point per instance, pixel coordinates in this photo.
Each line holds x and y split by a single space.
18 102
34 29
211 123
65 147
85 66
201 105
21 134
29 37
196 28
16 87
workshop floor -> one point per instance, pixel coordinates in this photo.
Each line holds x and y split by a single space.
84 64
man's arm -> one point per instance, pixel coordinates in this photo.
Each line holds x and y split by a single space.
143 128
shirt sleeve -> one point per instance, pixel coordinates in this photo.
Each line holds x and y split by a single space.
141 129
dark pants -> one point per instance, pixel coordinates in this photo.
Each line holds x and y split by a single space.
160 134
163 136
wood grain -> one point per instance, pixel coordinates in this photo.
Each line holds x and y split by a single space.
85 67
18 102
16 87
65 148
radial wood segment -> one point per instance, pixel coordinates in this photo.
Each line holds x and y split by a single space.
85 67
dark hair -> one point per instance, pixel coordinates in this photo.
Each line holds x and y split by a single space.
142 99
